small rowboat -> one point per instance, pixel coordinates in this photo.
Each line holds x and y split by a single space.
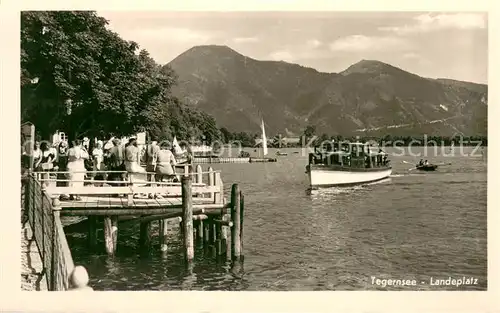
426 167
281 153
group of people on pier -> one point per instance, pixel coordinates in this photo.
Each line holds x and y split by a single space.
82 163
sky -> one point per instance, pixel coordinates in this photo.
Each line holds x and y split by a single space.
431 44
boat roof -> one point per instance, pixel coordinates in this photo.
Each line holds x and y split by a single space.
339 152
378 153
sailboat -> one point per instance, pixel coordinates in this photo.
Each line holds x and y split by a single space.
264 148
177 148
264 139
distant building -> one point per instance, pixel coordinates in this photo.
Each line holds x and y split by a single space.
284 141
258 141
291 140
58 136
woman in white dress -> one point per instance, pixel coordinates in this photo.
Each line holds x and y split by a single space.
98 160
136 173
76 166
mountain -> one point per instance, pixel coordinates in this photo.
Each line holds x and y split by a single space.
370 97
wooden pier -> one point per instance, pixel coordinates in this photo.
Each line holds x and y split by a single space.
197 203
218 160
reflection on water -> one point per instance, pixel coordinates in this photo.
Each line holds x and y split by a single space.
414 225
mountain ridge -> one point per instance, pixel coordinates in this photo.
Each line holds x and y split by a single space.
238 90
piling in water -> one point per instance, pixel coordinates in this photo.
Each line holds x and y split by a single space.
92 232
242 210
163 234
110 234
145 238
187 218
235 218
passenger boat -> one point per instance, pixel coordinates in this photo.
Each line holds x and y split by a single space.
347 164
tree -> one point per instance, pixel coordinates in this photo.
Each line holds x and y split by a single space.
310 131
226 135
80 77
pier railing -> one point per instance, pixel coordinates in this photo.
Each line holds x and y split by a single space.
44 218
196 203
205 183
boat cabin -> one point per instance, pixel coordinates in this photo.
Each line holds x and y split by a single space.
353 155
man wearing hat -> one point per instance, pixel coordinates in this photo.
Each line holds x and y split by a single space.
151 157
116 159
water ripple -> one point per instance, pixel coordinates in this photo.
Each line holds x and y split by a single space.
416 225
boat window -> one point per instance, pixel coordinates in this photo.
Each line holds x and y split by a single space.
354 149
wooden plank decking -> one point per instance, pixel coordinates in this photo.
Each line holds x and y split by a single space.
119 202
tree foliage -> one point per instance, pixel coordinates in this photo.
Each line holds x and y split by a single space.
79 77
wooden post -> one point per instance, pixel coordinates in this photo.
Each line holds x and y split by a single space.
199 174
226 231
33 196
218 196
218 239
206 233
211 182
199 232
206 246
198 225
195 229
145 238
163 235
235 217
187 217
56 215
225 237
211 232
92 232
43 188
110 234
242 210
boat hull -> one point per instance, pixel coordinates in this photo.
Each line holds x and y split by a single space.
322 176
427 168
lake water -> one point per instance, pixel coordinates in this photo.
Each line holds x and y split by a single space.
412 226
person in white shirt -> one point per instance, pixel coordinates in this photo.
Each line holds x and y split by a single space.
37 155
98 160
137 174
76 165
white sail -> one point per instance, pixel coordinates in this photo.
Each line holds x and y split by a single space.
178 150
264 139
